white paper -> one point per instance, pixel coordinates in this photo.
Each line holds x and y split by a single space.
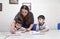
35 32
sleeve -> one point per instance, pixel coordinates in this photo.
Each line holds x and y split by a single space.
16 17
46 26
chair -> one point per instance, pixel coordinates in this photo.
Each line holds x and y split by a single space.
34 27
58 26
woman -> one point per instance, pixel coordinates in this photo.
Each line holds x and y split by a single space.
23 19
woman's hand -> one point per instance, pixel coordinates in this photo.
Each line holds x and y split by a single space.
13 30
24 31
28 29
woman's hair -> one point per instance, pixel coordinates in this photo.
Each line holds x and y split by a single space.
24 7
20 16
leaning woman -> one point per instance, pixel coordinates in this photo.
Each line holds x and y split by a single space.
24 18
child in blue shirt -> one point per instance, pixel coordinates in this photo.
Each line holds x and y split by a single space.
41 24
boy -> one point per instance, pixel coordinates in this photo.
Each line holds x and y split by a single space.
41 24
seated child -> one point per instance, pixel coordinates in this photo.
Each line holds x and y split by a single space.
41 24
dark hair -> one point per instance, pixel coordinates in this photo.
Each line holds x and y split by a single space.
41 16
21 16
24 7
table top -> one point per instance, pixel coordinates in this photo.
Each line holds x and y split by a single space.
53 34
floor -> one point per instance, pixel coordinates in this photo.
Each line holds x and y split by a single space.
52 34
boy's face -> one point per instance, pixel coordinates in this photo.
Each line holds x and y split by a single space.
40 20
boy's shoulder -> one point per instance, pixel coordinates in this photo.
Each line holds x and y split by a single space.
44 24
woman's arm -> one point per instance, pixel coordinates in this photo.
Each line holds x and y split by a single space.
13 24
31 25
28 29
13 29
31 21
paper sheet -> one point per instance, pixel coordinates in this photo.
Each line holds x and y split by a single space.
34 32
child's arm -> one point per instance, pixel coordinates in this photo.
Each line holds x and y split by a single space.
45 30
37 28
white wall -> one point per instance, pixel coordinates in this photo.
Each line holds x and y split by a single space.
49 8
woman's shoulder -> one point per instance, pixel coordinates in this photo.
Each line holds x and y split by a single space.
30 13
17 14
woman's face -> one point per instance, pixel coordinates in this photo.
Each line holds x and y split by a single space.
24 12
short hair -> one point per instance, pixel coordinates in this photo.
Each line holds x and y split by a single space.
41 16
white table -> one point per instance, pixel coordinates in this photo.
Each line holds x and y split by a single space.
52 34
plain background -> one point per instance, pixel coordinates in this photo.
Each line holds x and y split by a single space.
49 8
